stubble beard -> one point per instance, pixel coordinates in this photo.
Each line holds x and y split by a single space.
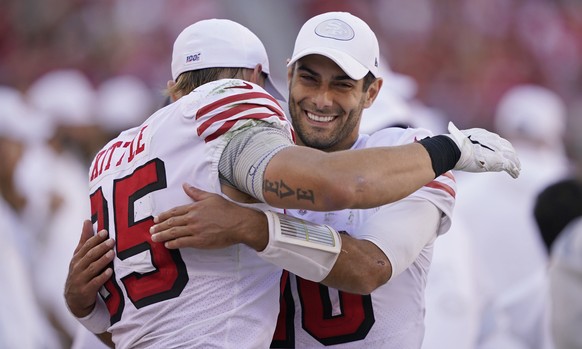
315 139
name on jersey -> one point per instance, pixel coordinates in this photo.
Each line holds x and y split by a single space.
117 154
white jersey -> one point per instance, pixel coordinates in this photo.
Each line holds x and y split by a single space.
187 298
509 254
566 285
392 316
23 323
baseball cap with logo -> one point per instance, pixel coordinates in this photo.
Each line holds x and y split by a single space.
220 43
343 38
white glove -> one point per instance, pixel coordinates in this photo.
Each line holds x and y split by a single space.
484 151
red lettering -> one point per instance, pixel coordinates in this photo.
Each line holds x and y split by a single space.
125 145
140 146
131 154
111 150
105 157
95 171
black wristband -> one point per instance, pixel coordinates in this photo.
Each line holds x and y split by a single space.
443 151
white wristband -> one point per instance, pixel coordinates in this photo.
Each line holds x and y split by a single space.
301 247
98 320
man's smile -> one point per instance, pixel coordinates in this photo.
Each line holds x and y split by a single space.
320 118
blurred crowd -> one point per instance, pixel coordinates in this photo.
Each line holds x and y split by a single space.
74 73
463 54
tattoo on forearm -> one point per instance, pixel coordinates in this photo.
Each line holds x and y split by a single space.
282 190
305 194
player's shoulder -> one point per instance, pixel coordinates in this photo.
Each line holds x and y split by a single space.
568 245
219 89
219 95
397 136
226 86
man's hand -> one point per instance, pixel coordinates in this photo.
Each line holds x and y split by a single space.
88 270
210 222
484 151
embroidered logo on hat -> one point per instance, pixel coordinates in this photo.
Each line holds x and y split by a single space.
335 29
193 58
342 37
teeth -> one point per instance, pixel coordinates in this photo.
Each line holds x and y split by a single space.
319 118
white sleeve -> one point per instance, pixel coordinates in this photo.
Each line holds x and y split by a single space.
98 320
441 191
402 229
245 157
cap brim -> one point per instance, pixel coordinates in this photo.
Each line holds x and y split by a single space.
347 63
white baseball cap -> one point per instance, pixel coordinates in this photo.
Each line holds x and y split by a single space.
533 112
123 101
18 120
65 96
343 38
220 43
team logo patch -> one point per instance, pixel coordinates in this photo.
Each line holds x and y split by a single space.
335 29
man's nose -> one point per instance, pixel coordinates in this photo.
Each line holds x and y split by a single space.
323 98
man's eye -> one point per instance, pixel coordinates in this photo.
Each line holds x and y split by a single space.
344 86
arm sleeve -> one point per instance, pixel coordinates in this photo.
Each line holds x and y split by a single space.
245 157
98 320
402 229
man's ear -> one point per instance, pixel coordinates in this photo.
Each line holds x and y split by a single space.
256 76
373 91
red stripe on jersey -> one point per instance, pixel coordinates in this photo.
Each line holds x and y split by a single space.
441 186
226 126
237 98
229 113
449 175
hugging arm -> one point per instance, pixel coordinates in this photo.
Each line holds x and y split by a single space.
88 270
261 162
300 177
392 238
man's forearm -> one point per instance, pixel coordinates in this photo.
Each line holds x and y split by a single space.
299 177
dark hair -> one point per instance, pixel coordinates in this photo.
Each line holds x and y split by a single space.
556 206
368 80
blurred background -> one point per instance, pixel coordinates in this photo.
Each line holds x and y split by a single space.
74 73
463 54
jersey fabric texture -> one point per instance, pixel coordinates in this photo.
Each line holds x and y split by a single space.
313 315
187 298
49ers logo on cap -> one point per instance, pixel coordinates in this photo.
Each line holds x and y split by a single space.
335 29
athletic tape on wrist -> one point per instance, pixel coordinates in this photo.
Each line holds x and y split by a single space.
98 320
301 247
